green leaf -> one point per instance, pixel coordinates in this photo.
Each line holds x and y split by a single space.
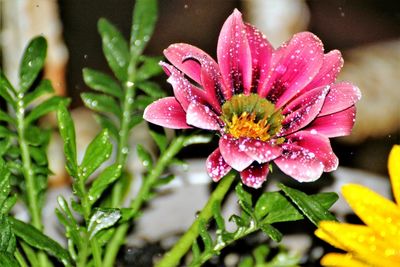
8 204
151 89
102 219
216 210
36 136
7 118
246 262
144 19
101 103
29 253
107 123
272 232
276 208
205 236
311 208
149 68
135 120
142 101
7 90
67 131
164 180
102 82
160 139
108 176
144 157
243 195
45 107
115 49
32 62
38 155
326 199
43 88
36 239
7 238
104 236
97 152
5 132
5 187
260 254
7 259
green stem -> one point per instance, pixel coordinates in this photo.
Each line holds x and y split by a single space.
96 252
20 259
173 257
119 235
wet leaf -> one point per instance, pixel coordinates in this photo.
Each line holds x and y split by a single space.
5 187
102 219
36 239
7 238
272 232
272 207
43 88
32 62
101 103
8 204
326 199
7 90
144 157
107 123
115 48
151 89
67 131
243 195
314 211
106 177
7 259
205 236
45 107
97 152
148 69
102 82
144 19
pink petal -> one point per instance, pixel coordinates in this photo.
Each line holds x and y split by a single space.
202 116
331 66
334 125
177 53
166 112
306 156
261 53
303 110
340 97
255 175
234 55
216 166
233 153
297 63
184 91
261 151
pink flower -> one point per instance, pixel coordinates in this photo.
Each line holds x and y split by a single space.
267 104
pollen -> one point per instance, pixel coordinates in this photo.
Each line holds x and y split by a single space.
245 125
251 116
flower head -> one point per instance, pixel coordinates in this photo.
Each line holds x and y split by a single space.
267 104
377 242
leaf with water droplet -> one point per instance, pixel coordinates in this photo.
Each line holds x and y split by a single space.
149 68
115 49
44 108
102 82
102 219
102 103
32 62
144 19
106 177
97 152
7 91
43 88
151 89
144 157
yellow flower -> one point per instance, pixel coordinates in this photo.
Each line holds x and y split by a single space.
378 242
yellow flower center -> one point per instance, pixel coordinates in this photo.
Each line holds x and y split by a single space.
251 116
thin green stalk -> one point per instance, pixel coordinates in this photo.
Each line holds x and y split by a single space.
96 251
20 259
173 257
120 234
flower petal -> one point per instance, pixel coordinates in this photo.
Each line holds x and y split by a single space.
255 175
305 156
184 91
303 110
297 63
340 97
261 53
166 112
380 214
202 116
233 153
261 151
342 260
331 66
394 171
216 166
234 55
334 125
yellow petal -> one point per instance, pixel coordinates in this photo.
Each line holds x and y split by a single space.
363 243
321 234
341 260
394 171
382 215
